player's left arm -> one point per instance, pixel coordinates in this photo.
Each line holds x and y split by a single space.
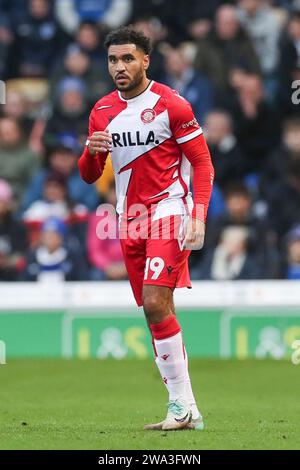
191 140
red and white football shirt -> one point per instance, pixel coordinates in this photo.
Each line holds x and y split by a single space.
155 138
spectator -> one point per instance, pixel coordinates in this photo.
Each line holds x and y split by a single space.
17 162
156 31
37 39
77 65
54 260
70 113
13 243
107 13
89 38
32 120
264 28
184 18
284 202
292 262
182 77
16 108
202 17
63 160
55 202
105 255
240 211
225 47
256 122
228 159
281 158
230 260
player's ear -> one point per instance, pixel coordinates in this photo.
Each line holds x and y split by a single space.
146 61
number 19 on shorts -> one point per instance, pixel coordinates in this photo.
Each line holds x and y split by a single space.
155 266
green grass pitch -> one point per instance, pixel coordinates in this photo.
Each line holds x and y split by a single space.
72 404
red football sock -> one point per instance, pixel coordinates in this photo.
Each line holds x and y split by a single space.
166 328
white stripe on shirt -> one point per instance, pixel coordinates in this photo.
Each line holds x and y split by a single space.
190 136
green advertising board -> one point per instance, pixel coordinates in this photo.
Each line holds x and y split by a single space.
208 332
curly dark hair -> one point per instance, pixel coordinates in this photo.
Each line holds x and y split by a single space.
128 35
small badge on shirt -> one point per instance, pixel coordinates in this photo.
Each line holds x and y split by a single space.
148 115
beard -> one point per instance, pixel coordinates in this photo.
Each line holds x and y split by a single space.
135 82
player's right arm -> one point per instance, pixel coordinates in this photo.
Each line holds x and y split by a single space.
92 161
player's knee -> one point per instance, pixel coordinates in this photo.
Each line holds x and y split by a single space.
151 304
154 308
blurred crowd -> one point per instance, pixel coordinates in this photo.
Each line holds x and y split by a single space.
237 62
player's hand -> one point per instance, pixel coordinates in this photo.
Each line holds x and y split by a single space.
116 271
195 232
100 142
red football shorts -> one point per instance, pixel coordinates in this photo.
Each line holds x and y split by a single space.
153 253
